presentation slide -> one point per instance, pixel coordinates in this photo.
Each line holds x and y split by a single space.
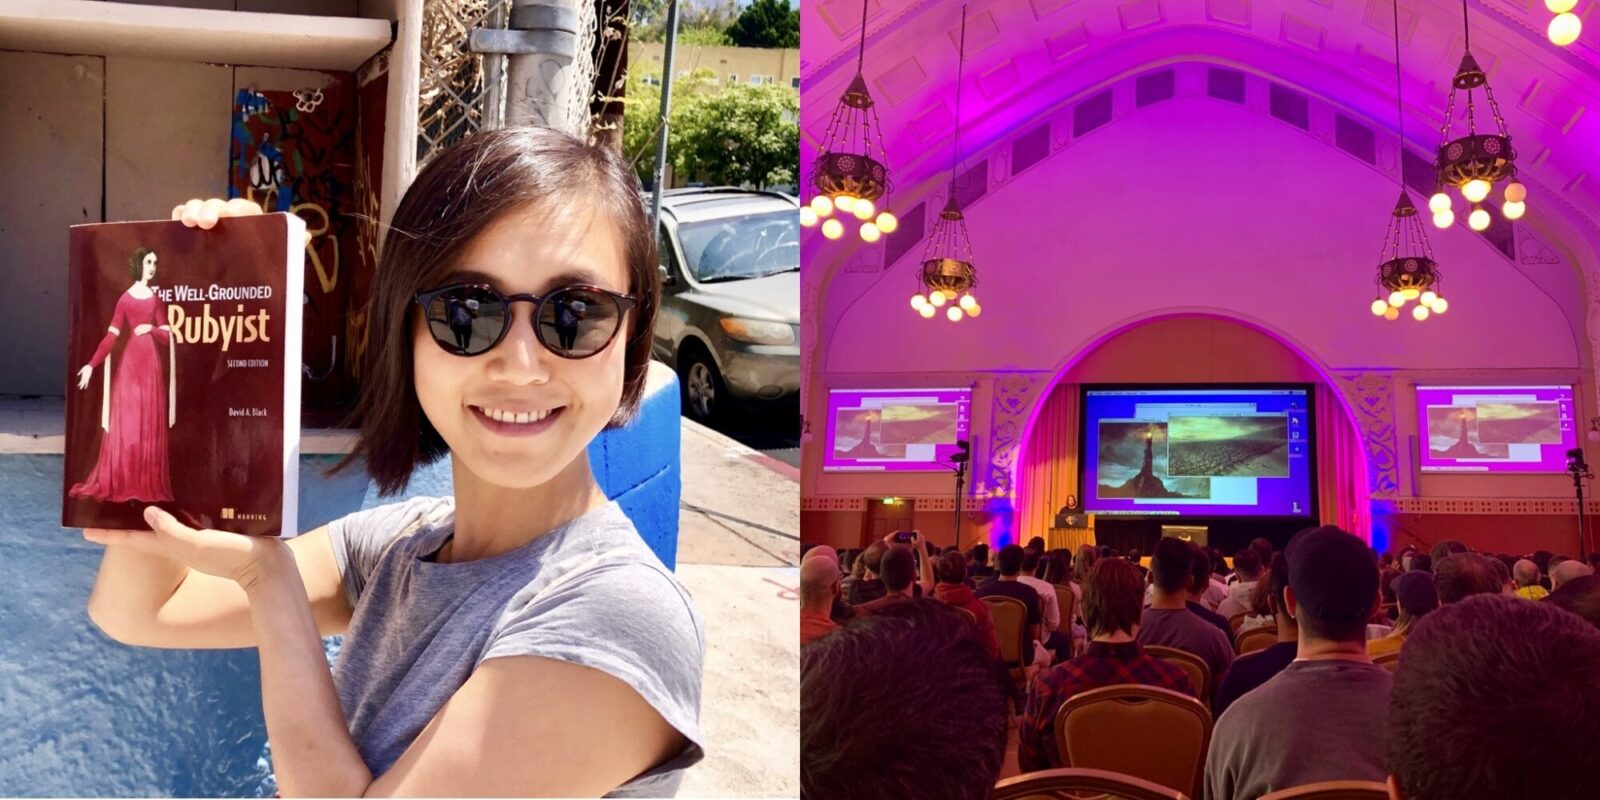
895 430
1213 452
1490 429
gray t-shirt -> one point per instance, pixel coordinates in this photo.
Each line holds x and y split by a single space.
1314 721
589 592
1189 632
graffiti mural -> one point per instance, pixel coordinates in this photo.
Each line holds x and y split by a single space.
295 150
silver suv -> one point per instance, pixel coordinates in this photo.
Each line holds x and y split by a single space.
730 306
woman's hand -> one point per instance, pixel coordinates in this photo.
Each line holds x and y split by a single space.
83 376
142 329
205 213
242 559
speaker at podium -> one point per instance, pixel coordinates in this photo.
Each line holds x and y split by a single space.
1071 527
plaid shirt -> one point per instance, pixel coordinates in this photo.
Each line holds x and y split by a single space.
1103 665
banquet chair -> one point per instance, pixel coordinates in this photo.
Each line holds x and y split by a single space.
1235 620
1333 790
1199 672
1389 661
1257 639
1066 602
1147 732
1063 784
1010 617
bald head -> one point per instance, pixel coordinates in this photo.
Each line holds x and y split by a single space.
1566 571
1526 572
819 582
821 551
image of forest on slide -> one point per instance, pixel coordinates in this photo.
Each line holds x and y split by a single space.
1243 447
1519 423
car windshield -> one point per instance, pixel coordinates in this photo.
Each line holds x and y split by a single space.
749 246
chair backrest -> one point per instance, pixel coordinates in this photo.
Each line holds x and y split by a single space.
1065 601
1257 639
1389 661
971 617
1056 784
1010 617
1235 620
1199 671
1150 733
1333 790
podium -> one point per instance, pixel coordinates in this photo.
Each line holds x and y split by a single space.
1071 531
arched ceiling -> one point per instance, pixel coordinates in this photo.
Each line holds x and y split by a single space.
1026 56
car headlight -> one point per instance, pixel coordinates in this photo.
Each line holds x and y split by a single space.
758 332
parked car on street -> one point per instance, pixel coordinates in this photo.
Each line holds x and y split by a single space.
730 307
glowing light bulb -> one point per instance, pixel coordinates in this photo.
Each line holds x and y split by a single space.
1560 6
1475 190
954 313
1516 192
1397 299
888 222
863 210
967 302
1378 307
869 232
1564 29
1444 219
1392 314
822 204
975 311
1514 210
1439 202
937 298
926 312
1420 313
1440 305
844 202
833 229
1411 294
1478 219
918 301
1429 297
808 217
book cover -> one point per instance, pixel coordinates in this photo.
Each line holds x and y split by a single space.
183 384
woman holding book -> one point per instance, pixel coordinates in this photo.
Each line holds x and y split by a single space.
517 638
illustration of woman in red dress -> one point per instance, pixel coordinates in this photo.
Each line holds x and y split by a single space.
136 408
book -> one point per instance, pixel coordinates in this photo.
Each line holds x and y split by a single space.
183 374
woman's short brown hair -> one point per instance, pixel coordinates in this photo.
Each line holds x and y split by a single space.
459 194
1113 597
136 263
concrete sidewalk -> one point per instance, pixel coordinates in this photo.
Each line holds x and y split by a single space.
738 547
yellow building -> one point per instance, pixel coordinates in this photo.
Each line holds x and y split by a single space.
751 66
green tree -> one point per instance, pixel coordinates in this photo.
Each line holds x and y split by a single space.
741 135
766 23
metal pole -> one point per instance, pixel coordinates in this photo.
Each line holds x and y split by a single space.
542 48
666 108
961 475
494 73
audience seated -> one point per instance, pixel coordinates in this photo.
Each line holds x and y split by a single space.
1111 600
870 587
1417 597
1581 596
1447 547
1526 574
1199 583
1483 653
1322 718
978 567
1250 671
1212 590
951 589
1541 559
1170 622
819 589
1566 571
1463 574
1059 642
1247 566
1502 575
898 573
1006 584
902 703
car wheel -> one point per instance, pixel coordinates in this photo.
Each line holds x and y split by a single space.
704 396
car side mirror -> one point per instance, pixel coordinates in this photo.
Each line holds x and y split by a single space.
667 278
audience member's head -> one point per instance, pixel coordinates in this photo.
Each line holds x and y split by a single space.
819 551
1566 571
858 564
1087 555
980 555
1386 560
1199 569
1219 563
1113 598
1058 567
915 669
1594 561
1009 562
1263 549
1247 564
1036 544
1542 558
1555 561
1386 576
819 583
1030 560
1526 572
1473 656
1333 584
1502 574
1448 547
1107 552
1415 594
1421 562
1581 596
1169 565
1458 576
899 569
950 568
873 558
1405 558
1135 555
1268 598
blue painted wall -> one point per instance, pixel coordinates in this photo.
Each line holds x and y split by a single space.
81 715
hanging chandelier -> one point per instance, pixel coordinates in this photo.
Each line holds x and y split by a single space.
947 274
1406 270
1474 163
851 176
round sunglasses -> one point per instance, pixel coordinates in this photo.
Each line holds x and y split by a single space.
469 319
